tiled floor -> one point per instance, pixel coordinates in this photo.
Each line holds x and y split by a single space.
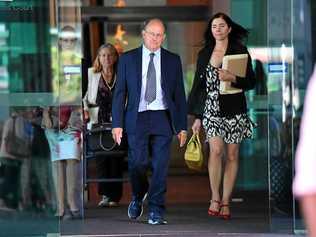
183 220
187 203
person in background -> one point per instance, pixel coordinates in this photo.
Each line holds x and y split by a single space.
66 67
15 191
149 104
65 124
224 117
98 100
41 170
304 185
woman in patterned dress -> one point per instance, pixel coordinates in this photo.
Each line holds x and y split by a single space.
223 116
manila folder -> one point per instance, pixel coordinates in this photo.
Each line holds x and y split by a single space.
237 65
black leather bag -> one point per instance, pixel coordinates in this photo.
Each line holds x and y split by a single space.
99 139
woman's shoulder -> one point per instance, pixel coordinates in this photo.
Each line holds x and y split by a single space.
92 72
91 69
204 54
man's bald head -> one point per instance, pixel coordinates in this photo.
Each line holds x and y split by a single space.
153 34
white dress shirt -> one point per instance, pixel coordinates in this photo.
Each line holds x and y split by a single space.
159 103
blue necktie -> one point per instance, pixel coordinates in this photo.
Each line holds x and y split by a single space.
150 93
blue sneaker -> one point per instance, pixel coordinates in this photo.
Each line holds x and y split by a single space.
135 208
156 219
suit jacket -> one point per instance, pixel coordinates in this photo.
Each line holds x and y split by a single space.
230 104
92 91
128 90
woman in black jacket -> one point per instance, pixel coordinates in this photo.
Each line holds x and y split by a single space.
223 116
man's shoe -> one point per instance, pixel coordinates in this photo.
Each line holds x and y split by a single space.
156 219
135 208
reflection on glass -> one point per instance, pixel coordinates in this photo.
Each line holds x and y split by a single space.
27 85
66 66
26 183
63 133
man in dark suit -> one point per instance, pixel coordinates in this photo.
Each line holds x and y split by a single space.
149 103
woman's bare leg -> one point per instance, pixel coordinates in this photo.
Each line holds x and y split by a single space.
215 170
230 174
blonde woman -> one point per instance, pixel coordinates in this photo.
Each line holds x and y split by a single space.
101 83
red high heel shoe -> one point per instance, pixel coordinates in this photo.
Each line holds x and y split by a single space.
224 216
211 212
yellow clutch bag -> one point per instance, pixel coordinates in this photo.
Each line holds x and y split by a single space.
193 155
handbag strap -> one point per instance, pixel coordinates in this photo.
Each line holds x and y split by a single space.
198 138
195 138
103 147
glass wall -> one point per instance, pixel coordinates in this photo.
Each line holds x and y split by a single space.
27 194
280 66
281 46
291 56
40 93
304 42
252 187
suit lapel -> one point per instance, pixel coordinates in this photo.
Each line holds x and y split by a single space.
138 61
163 64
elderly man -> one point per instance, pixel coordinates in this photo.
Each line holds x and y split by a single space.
150 81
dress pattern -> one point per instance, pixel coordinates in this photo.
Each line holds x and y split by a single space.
232 129
104 101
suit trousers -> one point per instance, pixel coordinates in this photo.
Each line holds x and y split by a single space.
149 150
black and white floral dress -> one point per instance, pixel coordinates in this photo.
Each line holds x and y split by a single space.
231 129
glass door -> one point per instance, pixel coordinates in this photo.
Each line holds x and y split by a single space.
304 40
280 134
68 139
290 41
27 194
40 76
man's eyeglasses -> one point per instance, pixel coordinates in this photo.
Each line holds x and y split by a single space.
154 35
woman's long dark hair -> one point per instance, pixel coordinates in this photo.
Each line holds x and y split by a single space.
237 33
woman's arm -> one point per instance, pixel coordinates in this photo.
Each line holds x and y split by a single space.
47 120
